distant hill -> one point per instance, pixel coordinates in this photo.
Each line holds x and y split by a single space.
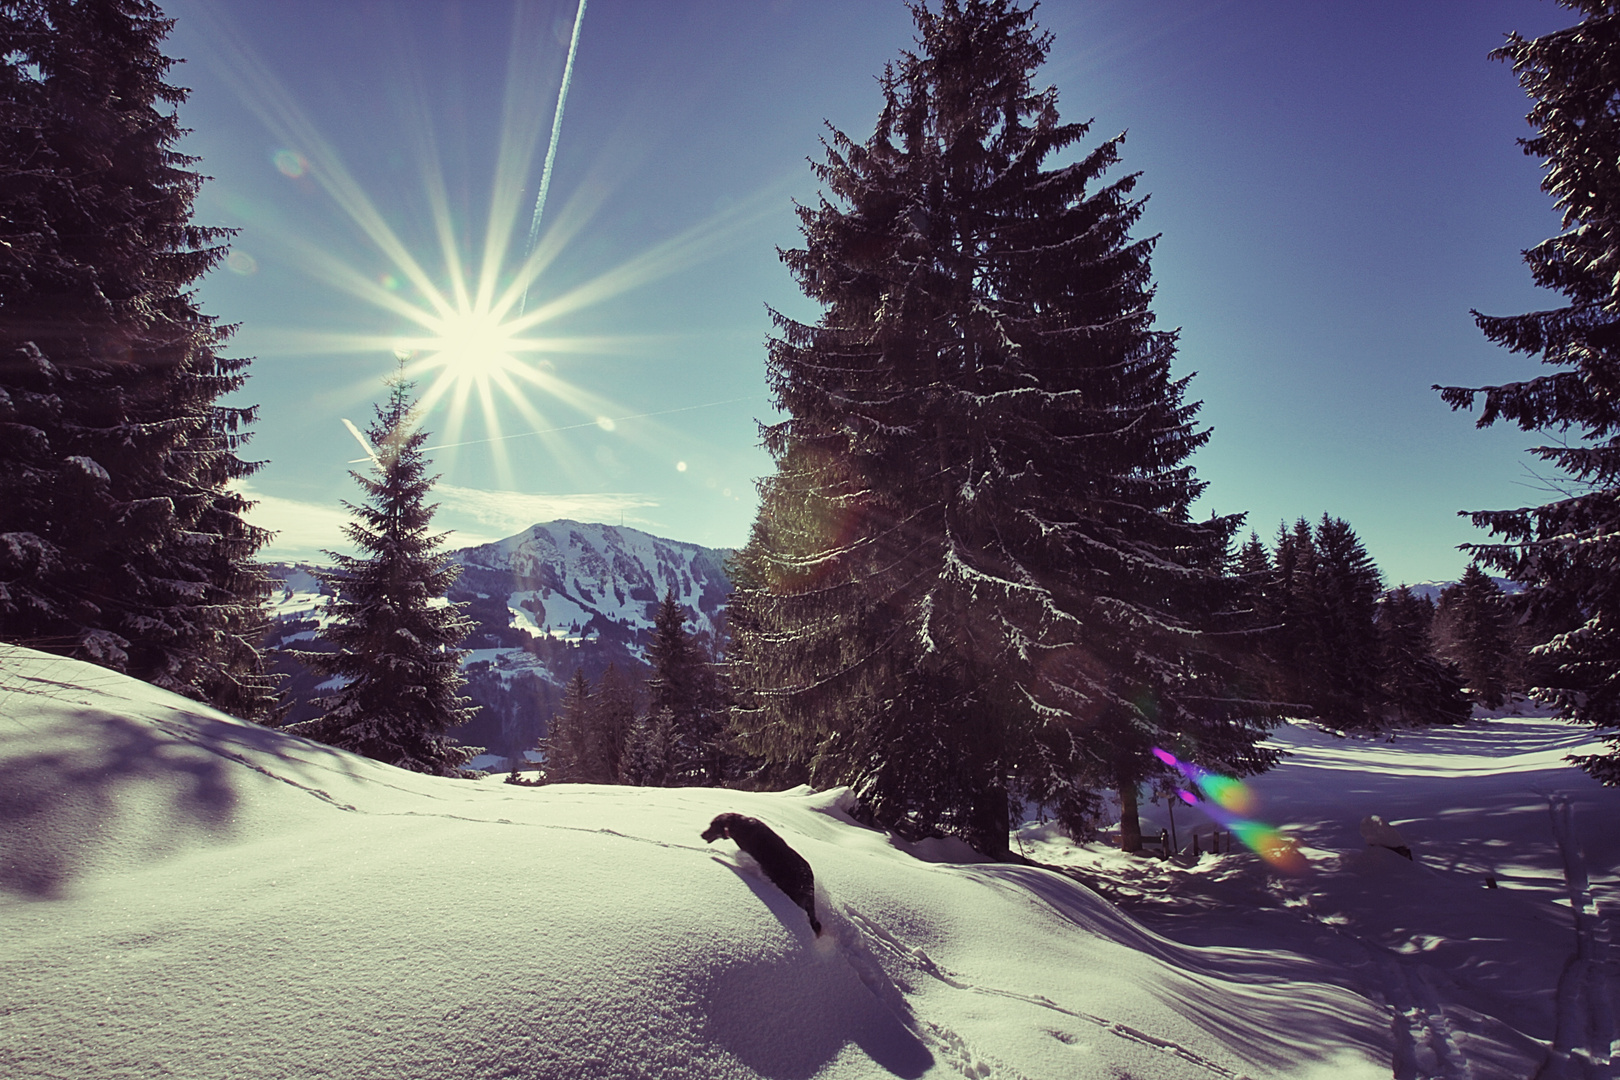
558 596
1431 590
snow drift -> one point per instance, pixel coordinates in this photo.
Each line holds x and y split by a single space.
195 896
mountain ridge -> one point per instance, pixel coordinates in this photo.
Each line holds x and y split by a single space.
554 598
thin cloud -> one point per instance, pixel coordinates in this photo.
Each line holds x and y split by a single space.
304 530
509 512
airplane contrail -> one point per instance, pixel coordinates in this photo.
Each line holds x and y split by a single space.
361 439
551 148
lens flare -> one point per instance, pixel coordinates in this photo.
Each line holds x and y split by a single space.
1234 806
290 163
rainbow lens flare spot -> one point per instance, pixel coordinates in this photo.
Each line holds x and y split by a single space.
290 163
1234 803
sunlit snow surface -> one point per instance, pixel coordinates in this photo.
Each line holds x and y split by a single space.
187 895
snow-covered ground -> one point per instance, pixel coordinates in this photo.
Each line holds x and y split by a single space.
188 895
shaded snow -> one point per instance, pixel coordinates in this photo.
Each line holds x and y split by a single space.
1470 973
190 895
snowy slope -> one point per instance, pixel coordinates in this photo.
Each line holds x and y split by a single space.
188 895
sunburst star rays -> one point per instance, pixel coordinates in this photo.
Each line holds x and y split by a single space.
456 318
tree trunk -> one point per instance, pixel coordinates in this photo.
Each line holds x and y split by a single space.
1130 826
992 823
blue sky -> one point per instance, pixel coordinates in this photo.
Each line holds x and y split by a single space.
1335 185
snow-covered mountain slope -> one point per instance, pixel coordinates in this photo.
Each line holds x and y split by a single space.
189 895
567 579
554 598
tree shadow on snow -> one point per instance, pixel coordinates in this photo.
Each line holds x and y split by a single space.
1275 986
81 785
787 1017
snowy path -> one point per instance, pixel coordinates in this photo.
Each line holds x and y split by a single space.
1477 982
1583 1040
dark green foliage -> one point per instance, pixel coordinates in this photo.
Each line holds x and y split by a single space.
1331 647
589 735
1567 552
392 642
650 750
1342 672
1314 608
567 743
1418 687
684 684
974 573
121 540
1477 632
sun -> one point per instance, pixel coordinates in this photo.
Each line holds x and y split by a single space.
472 346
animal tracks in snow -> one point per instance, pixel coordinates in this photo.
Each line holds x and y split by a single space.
858 930
1583 1041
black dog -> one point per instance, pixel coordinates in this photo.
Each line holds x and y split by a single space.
785 867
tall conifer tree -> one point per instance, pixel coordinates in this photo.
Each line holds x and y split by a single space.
1478 627
1568 551
396 644
121 540
612 724
683 682
974 568
1417 687
566 746
1343 670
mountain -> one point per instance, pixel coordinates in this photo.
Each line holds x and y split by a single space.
555 597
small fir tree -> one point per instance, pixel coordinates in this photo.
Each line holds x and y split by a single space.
566 749
394 638
1567 552
684 683
121 539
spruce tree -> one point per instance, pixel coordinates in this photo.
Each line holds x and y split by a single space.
121 539
974 575
394 640
1288 602
1320 604
1477 626
683 683
566 750
1418 687
1567 552
1343 671
612 720
650 749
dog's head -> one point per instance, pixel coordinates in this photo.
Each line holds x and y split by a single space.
717 830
